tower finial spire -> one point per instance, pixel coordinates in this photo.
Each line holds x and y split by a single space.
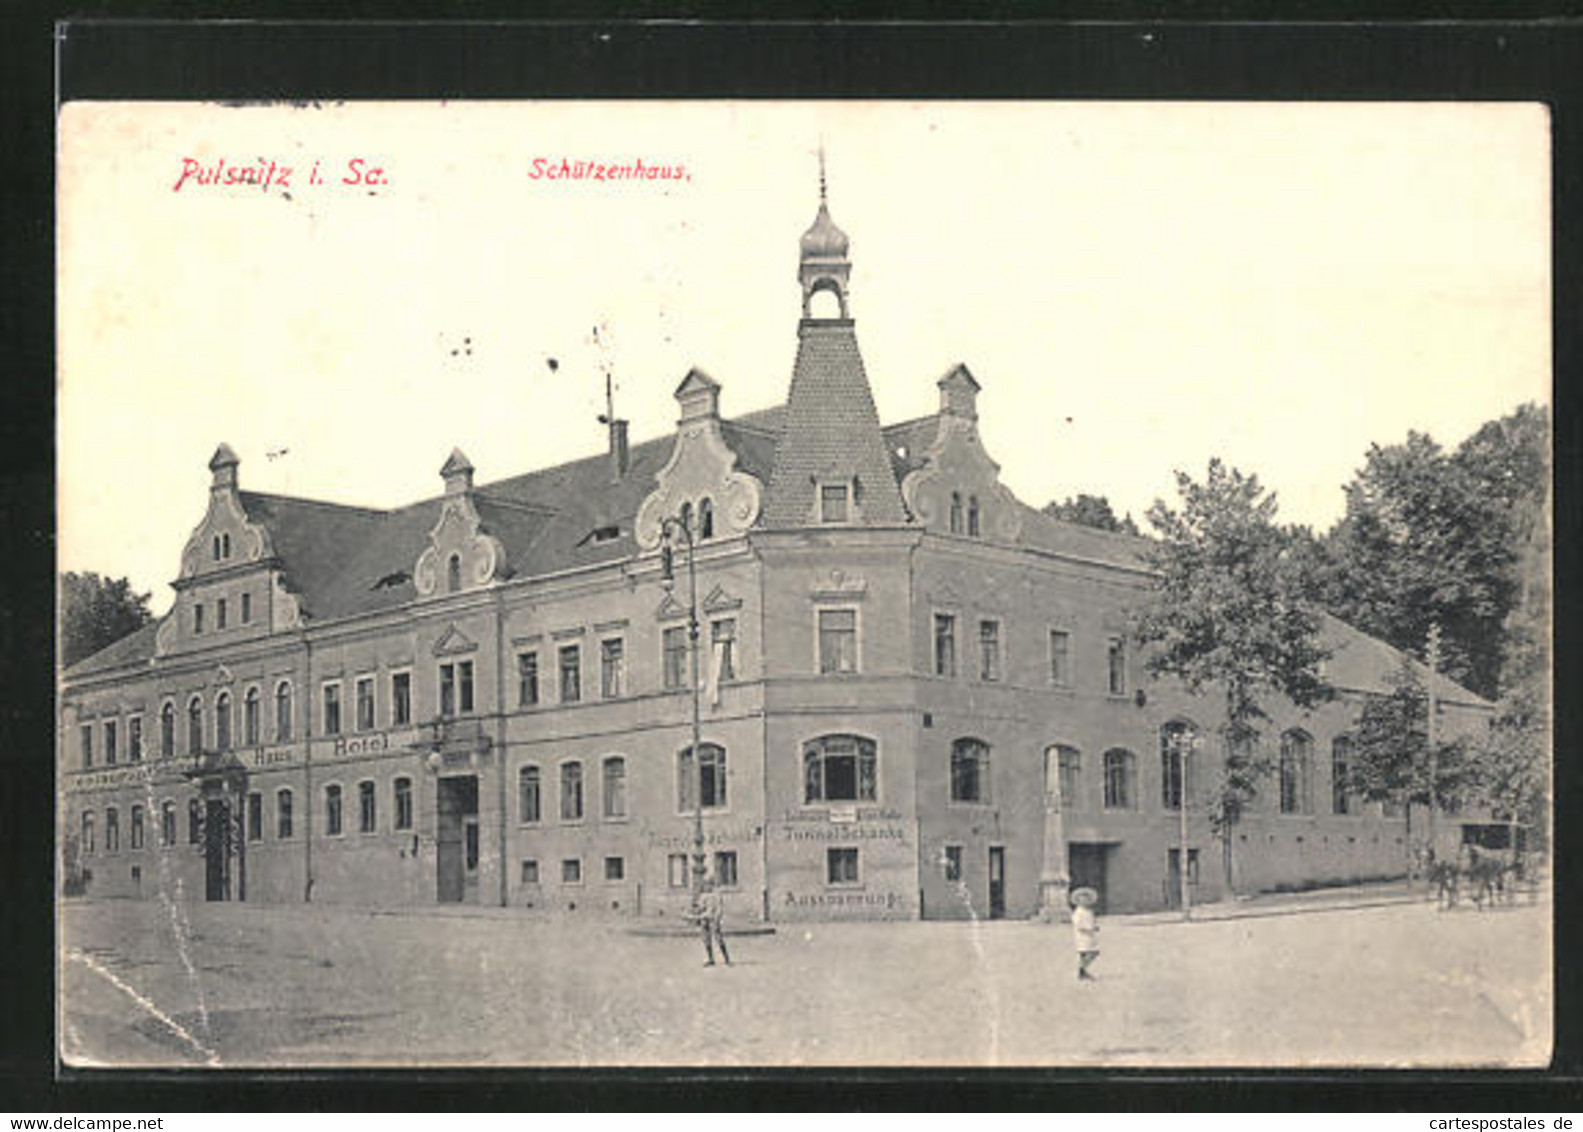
822 193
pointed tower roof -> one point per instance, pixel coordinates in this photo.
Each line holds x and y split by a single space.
832 432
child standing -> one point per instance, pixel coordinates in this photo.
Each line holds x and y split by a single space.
1085 929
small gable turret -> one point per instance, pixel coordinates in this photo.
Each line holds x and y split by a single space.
461 554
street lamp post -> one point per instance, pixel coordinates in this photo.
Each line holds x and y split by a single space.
669 525
1183 743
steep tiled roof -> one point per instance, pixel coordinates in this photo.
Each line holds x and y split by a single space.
832 431
312 539
137 645
1360 662
908 441
1060 537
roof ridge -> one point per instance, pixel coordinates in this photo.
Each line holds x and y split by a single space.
303 499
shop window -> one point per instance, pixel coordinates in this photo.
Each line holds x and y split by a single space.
402 796
332 810
944 644
674 643
283 814
527 679
367 808
841 866
837 641
970 771
615 787
572 791
400 699
725 874
571 667
528 801
1121 779
840 768
612 662
708 781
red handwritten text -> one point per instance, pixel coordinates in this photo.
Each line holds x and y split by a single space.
265 174
565 169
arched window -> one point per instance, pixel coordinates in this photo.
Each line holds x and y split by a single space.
216 550
332 810
956 512
706 518
707 782
283 814
687 517
970 771
87 832
1121 779
1178 741
167 730
529 801
572 791
167 822
453 574
222 721
972 515
1340 772
194 821
112 830
137 827
283 712
194 726
1296 751
225 545
1067 764
840 768
615 787
250 717
367 808
403 800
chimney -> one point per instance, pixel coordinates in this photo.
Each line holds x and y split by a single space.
457 473
620 452
223 464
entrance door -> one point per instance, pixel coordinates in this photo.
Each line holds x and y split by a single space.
1086 863
997 882
456 855
216 850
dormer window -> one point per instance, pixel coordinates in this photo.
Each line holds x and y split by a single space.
835 503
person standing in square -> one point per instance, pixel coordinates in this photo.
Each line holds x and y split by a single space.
1085 929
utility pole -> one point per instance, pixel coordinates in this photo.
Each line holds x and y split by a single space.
1432 657
668 580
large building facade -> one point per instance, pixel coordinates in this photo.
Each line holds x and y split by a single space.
919 696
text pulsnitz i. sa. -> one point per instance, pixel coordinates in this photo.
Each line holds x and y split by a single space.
265 173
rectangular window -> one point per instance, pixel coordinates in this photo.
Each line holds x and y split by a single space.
332 709
403 796
112 830
400 699
255 817
710 778
283 815
989 650
837 640
1116 660
571 659
615 788
247 609
841 866
944 644
332 810
527 679
167 824
219 614
676 870
572 870
726 868
1060 658
611 663
834 500
572 791
952 863
464 679
110 737
528 803
723 642
137 827
530 872
197 618
134 738
87 746
447 690
675 645
615 869
365 703
367 816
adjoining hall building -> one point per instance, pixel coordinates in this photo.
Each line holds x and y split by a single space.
918 690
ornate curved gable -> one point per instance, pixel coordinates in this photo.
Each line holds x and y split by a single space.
957 488
480 558
702 468
225 537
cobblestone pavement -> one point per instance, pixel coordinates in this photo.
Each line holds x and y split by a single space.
1375 983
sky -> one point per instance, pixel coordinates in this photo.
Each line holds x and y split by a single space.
1137 286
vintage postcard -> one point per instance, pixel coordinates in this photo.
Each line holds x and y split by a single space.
804 584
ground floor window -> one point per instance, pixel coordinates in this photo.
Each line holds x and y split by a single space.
841 866
255 817
283 814
530 872
951 863
726 869
572 871
1121 779
615 868
194 822
676 870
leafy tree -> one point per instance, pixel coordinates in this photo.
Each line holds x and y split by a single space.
1090 511
1229 617
95 612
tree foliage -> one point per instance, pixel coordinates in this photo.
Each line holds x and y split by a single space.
1390 748
1229 616
95 612
1090 511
